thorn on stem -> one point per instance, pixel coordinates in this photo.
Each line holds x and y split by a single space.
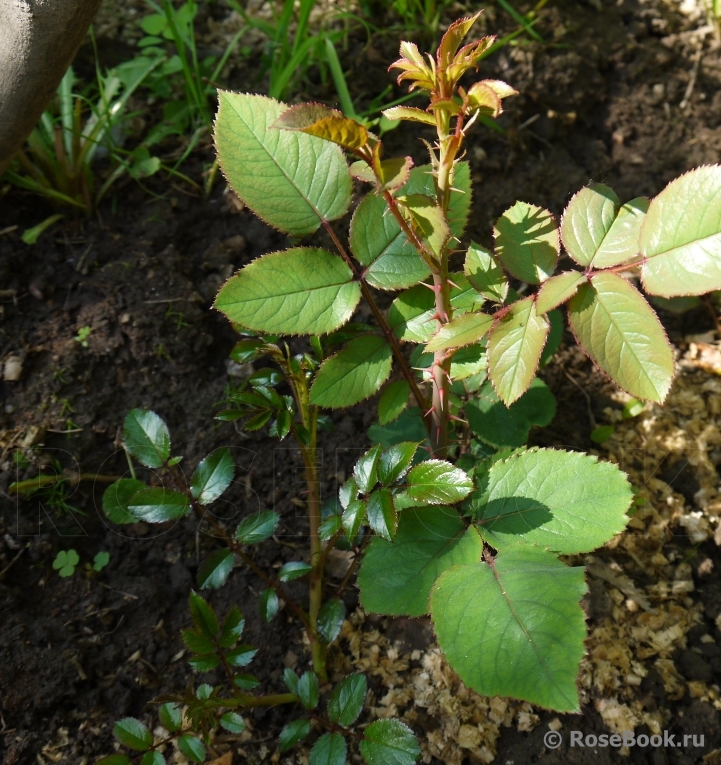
430 411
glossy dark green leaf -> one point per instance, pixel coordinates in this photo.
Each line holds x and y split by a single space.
329 527
348 492
307 690
133 734
232 722
246 350
204 662
146 437
116 499
171 717
293 570
393 401
395 461
257 527
365 471
213 476
233 626
114 759
353 517
268 604
152 758
203 615
330 619
389 742
329 749
436 482
197 642
291 680
159 505
241 656
246 682
381 513
292 733
346 701
353 374
215 569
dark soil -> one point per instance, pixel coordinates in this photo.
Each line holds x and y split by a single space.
602 103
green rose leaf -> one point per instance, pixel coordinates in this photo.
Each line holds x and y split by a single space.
501 426
365 471
514 627
353 517
152 758
117 497
514 349
329 749
558 289
421 182
330 526
171 717
410 426
396 577
292 733
159 505
213 476
563 501
346 701
133 734
427 220
393 401
257 527
289 179
387 742
621 243
215 569
587 220
232 722
378 242
146 437
192 747
411 313
395 461
301 291
527 242
326 123
485 274
114 759
233 626
354 374
330 619
435 482
381 513
293 570
460 331
307 690
203 616
241 656
681 236
620 332
268 604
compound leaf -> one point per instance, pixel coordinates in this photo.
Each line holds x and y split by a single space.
567 502
213 476
354 374
618 329
527 242
146 437
396 577
301 291
681 236
289 179
514 627
515 345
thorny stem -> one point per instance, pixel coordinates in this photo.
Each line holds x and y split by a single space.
382 323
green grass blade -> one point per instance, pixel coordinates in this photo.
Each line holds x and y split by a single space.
522 20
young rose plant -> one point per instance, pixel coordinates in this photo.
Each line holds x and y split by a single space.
475 544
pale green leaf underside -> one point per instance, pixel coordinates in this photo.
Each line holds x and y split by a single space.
586 221
462 330
304 290
396 577
567 502
527 242
289 179
514 349
621 243
681 236
353 374
410 314
558 289
618 329
515 628
377 241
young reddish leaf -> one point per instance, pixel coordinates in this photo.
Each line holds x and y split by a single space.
527 242
514 349
618 329
558 289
